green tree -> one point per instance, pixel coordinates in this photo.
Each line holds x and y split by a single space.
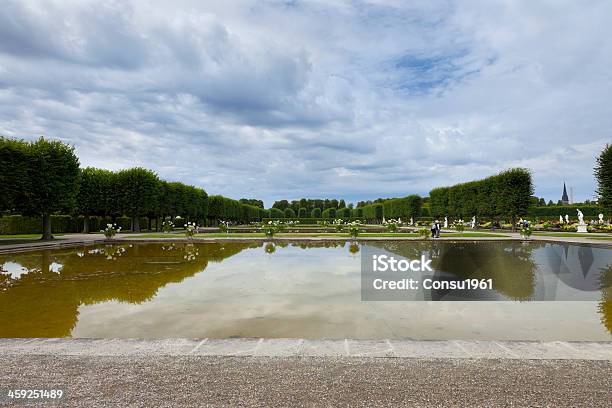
94 191
55 177
603 174
289 213
302 213
316 213
14 180
140 190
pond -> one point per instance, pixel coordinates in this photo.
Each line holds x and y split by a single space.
299 290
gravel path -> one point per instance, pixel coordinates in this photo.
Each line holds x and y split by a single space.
198 381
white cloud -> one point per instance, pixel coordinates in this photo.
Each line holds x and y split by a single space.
290 99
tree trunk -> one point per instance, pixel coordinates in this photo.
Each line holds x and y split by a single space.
513 223
46 234
136 224
86 224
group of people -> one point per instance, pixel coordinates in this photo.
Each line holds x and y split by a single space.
435 229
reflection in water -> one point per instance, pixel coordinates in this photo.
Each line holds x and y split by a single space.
44 301
295 290
605 306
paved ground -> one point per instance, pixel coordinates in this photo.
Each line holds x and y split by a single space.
199 381
287 372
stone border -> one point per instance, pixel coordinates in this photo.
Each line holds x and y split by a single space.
254 347
80 240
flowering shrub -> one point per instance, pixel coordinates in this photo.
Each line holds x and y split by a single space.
110 230
392 224
324 224
354 228
526 230
167 226
271 228
423 233
568 228
190 229
354 248
458 225
270 248
224 226
338 224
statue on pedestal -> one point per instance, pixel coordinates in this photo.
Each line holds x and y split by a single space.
566 219
560 220
582 227
446 222
601 221
473 222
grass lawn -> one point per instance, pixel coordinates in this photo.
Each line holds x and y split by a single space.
565 234
328 234
34 236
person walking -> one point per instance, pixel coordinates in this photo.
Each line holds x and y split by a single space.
438 227
433 229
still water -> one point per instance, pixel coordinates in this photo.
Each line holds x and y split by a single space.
220 290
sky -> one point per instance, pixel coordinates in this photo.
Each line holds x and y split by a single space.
318 99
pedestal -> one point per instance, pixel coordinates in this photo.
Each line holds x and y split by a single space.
582 228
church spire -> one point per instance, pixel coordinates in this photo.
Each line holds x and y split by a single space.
564 198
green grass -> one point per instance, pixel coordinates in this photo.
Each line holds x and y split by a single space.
26 236
563 234
602 238
315 235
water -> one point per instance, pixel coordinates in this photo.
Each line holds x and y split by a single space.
220 290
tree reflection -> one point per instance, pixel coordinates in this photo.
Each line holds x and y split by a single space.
605 305
44 303
509 265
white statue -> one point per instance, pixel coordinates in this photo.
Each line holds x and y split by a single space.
601 221
473 222
446 222
566 219
411 221
582 227
560 219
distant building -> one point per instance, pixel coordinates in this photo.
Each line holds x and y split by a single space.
564 197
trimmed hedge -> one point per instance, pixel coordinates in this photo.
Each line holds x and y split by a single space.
308 221
403 207
18 224
315 213
302 213
275 213
373 212
343 213
507 194
557 210
329 213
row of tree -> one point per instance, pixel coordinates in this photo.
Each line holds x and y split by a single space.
44 178
309 204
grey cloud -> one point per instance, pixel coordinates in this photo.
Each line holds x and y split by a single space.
353 99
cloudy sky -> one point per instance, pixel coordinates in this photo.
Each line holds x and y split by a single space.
289 99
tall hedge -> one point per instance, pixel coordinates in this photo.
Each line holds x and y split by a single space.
302 213
506 194
403 207
289 213
373 212
315 213
329 213
276 213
